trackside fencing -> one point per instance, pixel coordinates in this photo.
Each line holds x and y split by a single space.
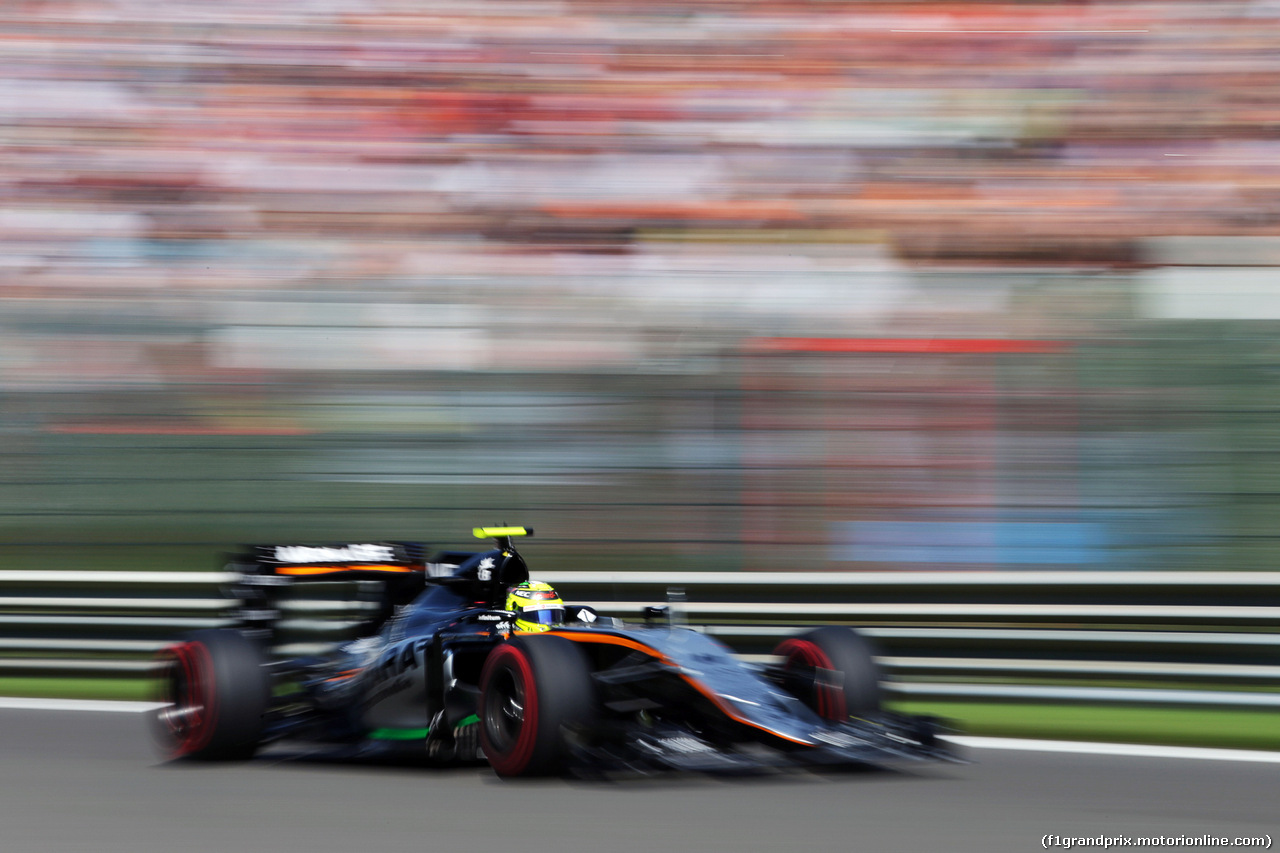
1169 638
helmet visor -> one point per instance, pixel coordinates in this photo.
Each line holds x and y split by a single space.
547 616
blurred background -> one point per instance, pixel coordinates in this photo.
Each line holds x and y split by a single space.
806 283
714 285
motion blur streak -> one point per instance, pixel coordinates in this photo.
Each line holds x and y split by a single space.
334 269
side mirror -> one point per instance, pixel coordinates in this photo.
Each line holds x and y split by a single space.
581 613
657 613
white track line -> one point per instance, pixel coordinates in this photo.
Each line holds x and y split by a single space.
99 705
1135 750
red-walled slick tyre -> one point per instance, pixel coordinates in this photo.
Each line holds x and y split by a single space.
834 671
534 691
215 694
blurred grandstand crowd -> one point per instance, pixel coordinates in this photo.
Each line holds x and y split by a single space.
785 162
209 194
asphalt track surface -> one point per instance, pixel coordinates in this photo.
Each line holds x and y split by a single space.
86 781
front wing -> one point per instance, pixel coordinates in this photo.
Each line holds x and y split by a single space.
887 740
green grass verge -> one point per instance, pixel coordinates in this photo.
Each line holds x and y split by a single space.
131 689
1109 723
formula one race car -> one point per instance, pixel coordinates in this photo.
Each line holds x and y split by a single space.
467 658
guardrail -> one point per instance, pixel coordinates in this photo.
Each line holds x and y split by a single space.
1172 638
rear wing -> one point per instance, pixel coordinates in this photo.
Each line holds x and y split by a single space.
335 560
389 574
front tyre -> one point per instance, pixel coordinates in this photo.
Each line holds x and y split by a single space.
833 670
215 693
534 690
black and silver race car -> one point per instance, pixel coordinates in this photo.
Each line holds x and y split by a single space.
443 670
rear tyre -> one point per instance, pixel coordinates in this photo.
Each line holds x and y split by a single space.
534 692
833 670
215 693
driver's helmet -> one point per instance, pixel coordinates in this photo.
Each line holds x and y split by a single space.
537 606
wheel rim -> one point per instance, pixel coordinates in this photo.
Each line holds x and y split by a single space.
509 702
505 710
808 659
186 712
